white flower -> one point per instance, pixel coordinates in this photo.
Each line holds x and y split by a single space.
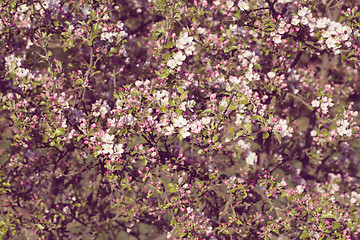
271 74
201 30
189 49
354 113
170 130
239 119
303 11
304 21
119 148
205 120
334 188
282 127
326 34
179 122
283 183
343 128
179 57
107 148
277 39
223 103
243 5
241 143
331 42
103 110
313 133
217 2
184 132
326 103
234 80
300 189
23 8
322 22
107 138
171 63
251 159
183 40
315 103
249 75
295 20
233 27
229 3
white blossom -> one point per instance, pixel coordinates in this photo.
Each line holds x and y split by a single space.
184 132
243 5
282 127
179 121
251 159
179 57
107 148
171 63
295 20
277 39
107 138
119 148
315 103
271 74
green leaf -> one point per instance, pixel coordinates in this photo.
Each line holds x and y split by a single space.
41 227
249 127
79 81
304 235
328 215
336 225
233 106
169 44
164 73
113 50
278 136
59 131
95 27
167 56
265 135
182 96
239 133
232 131
258 118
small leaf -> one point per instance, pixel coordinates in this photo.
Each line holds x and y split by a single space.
278 137
169 44
41 227
328 215
215 138
233 106
164 73
265 135
232 131
249 127
304 235
59 131
258 118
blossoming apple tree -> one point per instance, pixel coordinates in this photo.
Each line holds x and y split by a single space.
196 119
